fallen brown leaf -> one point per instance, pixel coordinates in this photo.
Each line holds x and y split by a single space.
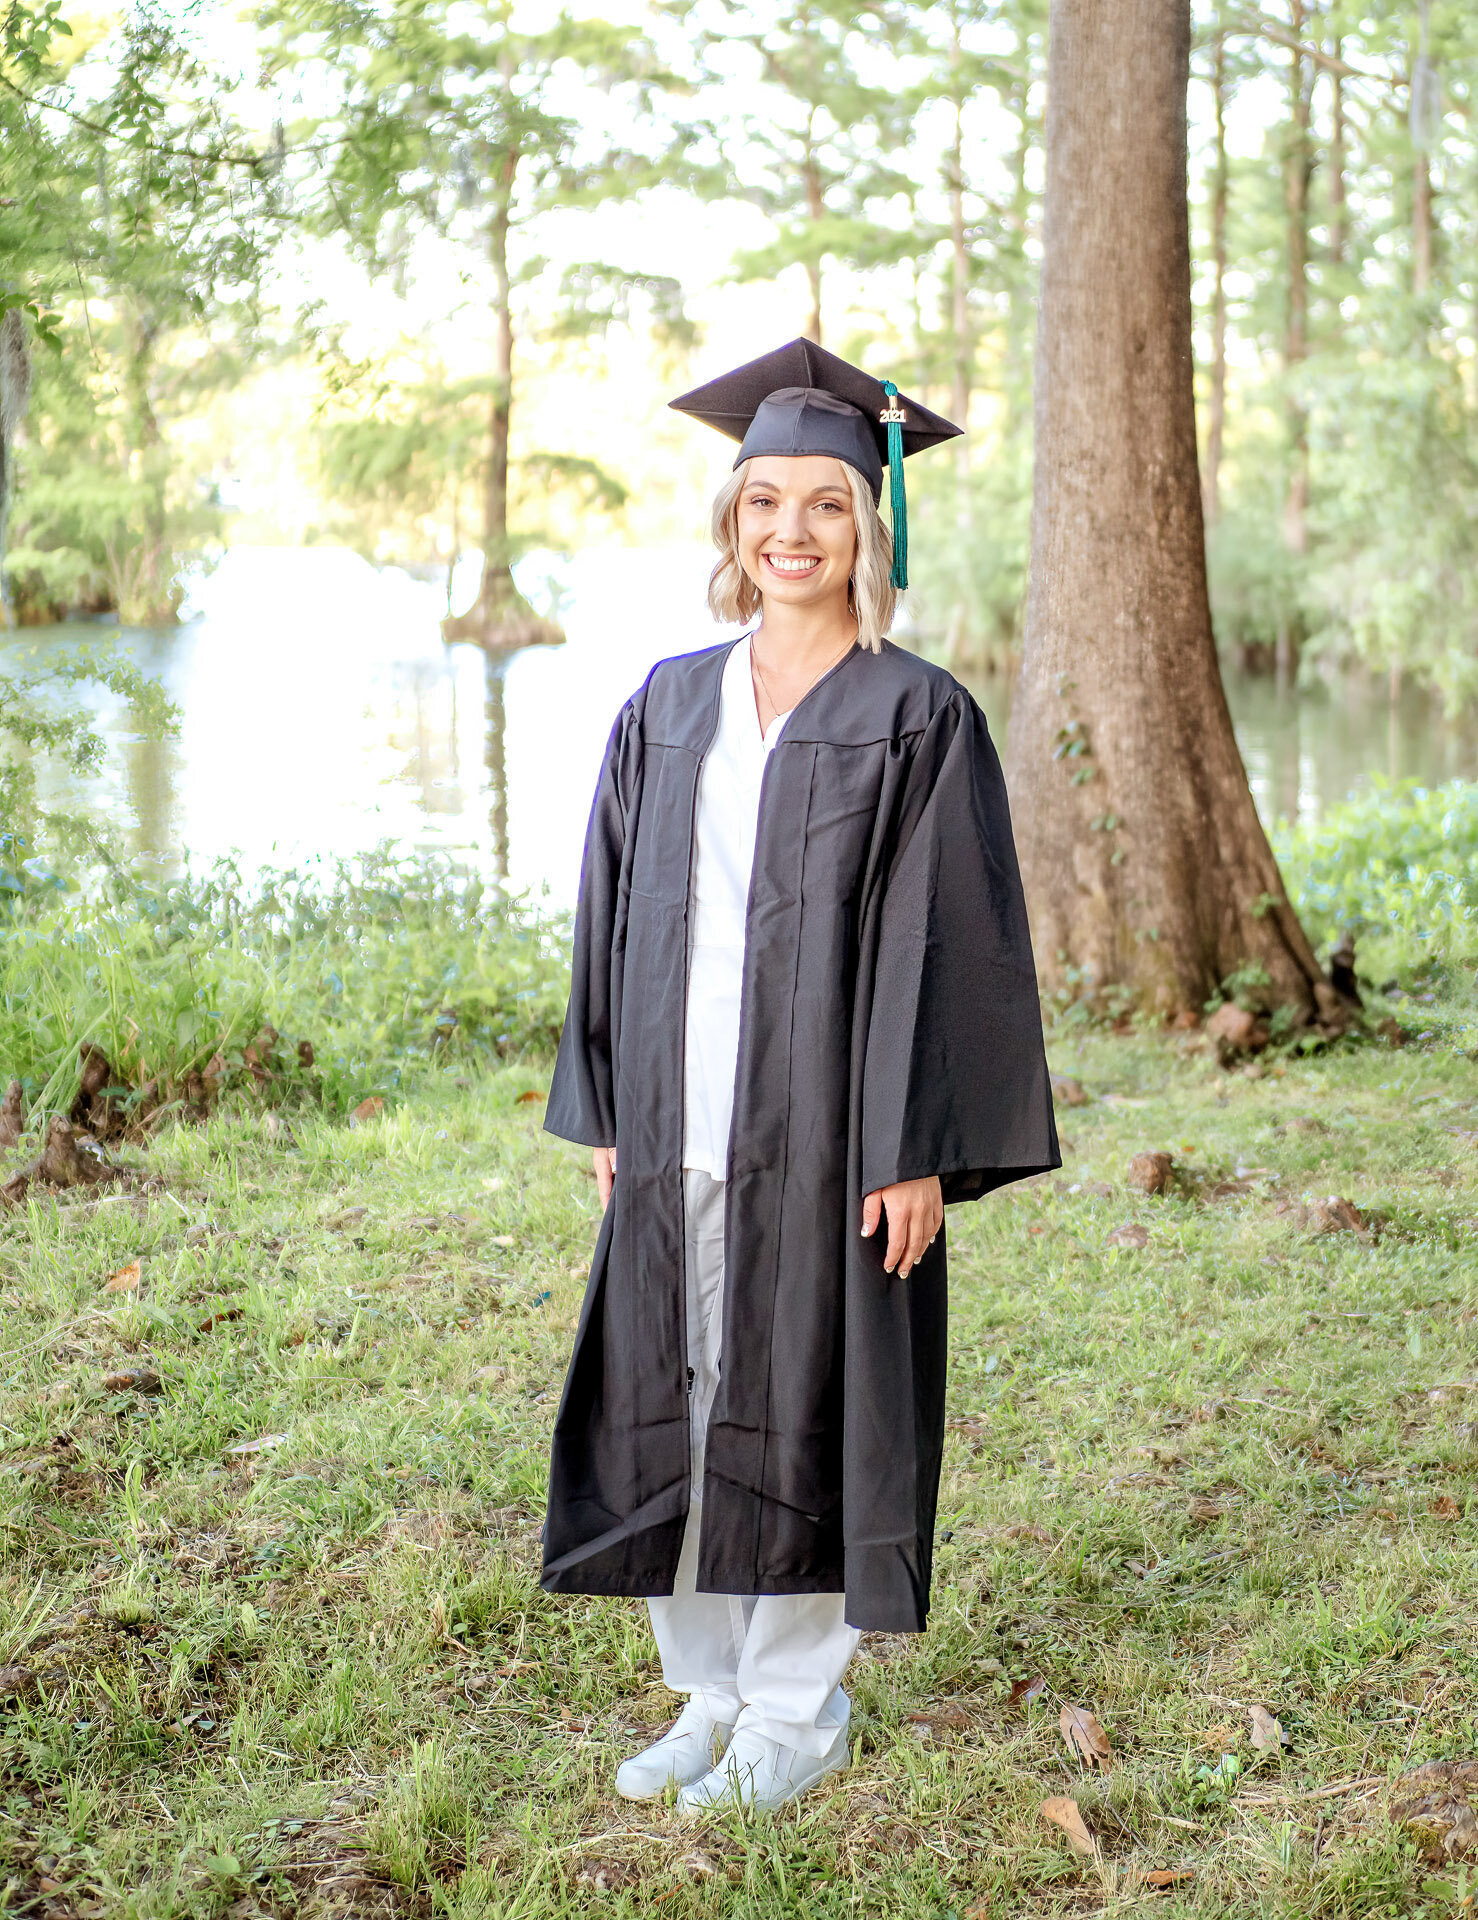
1026 1693
1446 1508
1131 1234
1023 1531
1066 1814
125 1280
529 1094
219 1319
369 1109
1085 1737
1167 1876
131 1380
1267 1732
1203 1510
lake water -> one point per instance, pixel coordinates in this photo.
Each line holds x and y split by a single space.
321 712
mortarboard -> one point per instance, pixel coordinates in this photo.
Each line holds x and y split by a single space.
802 399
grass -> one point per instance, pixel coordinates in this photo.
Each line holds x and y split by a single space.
285 1646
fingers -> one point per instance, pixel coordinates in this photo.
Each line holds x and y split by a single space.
914 1220
899 1224
603 1159
918 1239
872 1212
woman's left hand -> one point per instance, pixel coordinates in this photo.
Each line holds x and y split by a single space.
915 1210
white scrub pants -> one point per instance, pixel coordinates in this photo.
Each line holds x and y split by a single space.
773 1662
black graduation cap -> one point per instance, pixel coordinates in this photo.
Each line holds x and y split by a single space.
802 399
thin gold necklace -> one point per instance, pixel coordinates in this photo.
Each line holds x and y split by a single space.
754 661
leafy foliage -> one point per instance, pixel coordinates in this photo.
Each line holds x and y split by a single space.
41 728
378 966
1397 867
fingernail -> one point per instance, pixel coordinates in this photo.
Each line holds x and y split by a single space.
866 1231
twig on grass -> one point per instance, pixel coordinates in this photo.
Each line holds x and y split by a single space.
1366 1783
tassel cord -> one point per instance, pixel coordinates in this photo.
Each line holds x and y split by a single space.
897 500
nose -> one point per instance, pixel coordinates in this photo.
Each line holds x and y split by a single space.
791 524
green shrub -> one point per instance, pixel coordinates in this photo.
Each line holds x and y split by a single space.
1396 867
195 987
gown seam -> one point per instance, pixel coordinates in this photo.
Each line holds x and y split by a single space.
767 1427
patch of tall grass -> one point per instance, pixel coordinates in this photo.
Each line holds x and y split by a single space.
189 987
1396 866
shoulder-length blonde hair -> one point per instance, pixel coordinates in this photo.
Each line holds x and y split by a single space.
871 595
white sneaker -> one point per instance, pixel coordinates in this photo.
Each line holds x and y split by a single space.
685 1753
758 1772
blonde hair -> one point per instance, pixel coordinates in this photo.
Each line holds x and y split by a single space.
871 595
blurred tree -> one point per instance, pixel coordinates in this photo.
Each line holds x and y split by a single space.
139 236
1145 864
817 145
448 123
401 468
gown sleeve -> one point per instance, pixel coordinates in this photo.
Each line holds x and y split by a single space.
582 1093
955 1078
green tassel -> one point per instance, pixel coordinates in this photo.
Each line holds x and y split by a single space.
893 415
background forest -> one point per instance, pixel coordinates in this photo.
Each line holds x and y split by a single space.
419 276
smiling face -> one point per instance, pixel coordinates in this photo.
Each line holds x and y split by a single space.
797 533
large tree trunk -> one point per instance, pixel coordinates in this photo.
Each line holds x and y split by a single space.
1145 863
1216 411
500 619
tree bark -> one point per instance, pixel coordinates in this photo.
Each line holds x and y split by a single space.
959 286
15 400
1021 295
958 647
501 619
1298 169
1216 411
1421 223
1145 863
1338 147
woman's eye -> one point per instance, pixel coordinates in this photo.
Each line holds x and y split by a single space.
761 500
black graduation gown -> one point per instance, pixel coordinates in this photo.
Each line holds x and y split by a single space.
889 1030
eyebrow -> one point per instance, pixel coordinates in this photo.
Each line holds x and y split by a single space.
835 488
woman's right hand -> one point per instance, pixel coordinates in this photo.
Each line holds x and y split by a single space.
604 1161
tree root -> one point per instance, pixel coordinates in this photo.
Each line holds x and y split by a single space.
68 1159
502 621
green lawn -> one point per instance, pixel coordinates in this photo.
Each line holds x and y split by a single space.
275 1645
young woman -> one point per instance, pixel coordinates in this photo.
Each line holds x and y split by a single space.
803 1018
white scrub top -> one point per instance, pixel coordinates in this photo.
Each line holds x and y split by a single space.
725 827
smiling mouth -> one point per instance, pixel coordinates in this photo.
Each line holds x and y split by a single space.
793 566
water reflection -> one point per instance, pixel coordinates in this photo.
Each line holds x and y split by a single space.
321 712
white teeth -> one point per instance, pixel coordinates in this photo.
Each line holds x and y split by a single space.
791 566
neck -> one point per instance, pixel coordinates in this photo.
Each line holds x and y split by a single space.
800 637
